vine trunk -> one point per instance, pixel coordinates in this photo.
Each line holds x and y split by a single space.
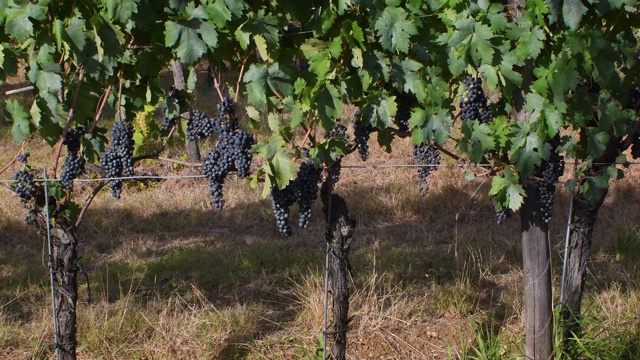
339 233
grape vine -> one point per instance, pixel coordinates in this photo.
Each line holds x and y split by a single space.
473 105
549 172
281 201
231 152
73 165
429 156
502 215
31 194
200 126
117 160
405 102
362 132
302 190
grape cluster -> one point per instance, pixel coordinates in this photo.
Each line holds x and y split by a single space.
303 190
117 160
72 138
231 153
200 126
281 201
473 105
23 158
550 173
73 165
175 98
227 108
30 194
338 130
405 102
429 156
307 181
502 215
25 186
362 132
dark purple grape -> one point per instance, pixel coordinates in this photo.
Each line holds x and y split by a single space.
429 156
473 105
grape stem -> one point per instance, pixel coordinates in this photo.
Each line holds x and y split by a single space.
306 136
88 201
613 25
14 158
216 84
74 102
119 108
185 163
244 61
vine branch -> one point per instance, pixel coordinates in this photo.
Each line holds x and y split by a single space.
74 102
88 201
244 62
105 96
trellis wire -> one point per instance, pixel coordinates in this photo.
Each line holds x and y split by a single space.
51 271
381 166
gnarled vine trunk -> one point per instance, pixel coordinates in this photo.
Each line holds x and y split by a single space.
64 268
65 265
339 233
583 223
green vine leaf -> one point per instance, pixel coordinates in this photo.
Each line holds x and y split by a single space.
18 15
429 126
256 79
219 13
529 42
477 140
22 127
527 150
482 50
572 13
507 190
194 37
279 169
395 30
329 106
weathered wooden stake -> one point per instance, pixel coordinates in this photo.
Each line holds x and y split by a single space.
537 278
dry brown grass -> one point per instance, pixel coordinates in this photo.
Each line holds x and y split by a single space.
171 277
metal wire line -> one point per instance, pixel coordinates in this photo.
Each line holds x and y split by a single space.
379 166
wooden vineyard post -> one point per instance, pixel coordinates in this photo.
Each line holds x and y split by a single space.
537 278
